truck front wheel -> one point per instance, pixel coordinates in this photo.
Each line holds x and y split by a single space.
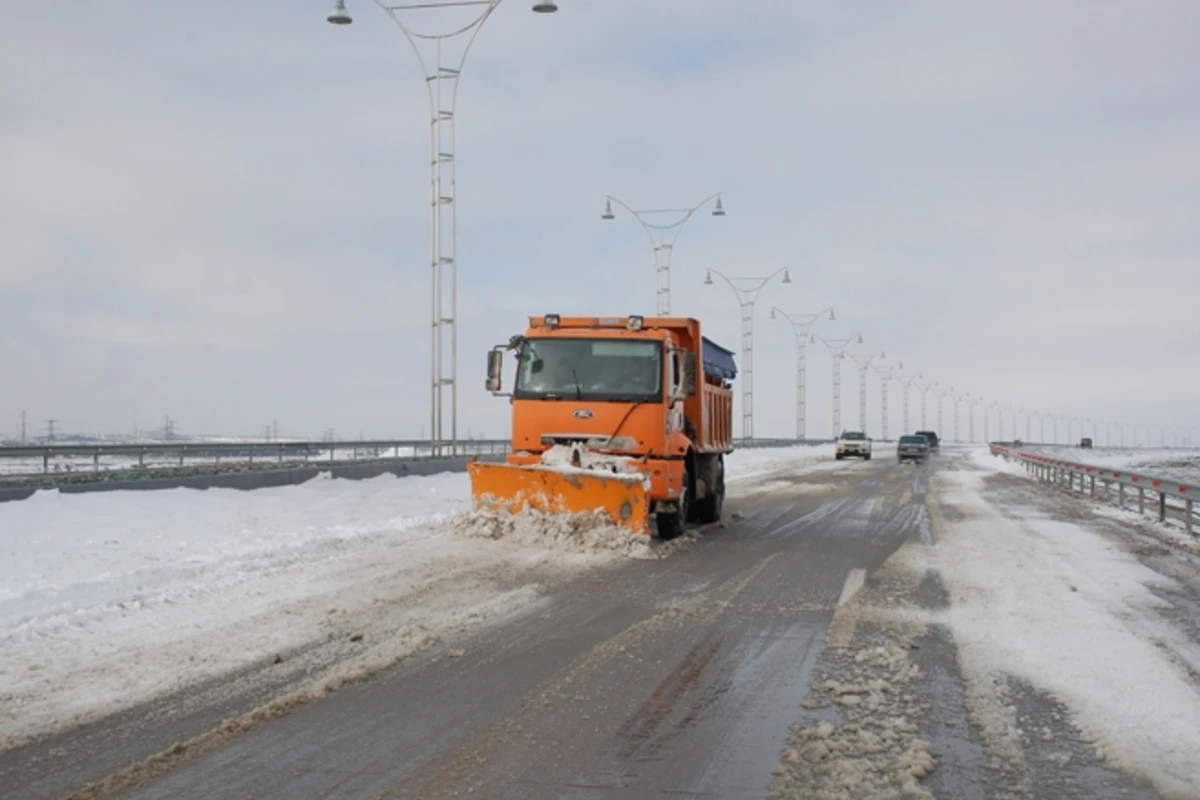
670 523
709 508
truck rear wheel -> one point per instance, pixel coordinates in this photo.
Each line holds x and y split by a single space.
670 523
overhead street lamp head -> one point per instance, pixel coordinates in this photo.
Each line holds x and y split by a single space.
772 315
860 339
719 211
786 277
831 316
708 278
339 15
607 210
545 7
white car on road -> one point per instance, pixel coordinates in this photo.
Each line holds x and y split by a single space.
854 443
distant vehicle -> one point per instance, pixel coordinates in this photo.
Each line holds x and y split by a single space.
914 447
932 438
853 443
1086 443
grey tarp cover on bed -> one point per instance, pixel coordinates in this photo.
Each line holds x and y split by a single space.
718 361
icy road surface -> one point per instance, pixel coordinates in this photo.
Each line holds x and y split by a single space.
852 630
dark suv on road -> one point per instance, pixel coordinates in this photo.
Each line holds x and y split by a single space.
931 437
914 447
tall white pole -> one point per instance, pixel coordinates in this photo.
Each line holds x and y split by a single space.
863 360
662 238
747 294
442 70
837 352
885 377
802 325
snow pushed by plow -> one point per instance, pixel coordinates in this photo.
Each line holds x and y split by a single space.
591 533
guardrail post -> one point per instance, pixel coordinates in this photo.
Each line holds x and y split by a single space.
1093 486
1141 499
45 462
1162 506
250 447
1187 514
96 461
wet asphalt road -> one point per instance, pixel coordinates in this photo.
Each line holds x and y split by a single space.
673 678
678 676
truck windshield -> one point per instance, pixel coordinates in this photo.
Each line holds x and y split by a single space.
913 440
590 369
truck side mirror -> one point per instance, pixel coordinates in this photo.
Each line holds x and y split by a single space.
495 370
688 384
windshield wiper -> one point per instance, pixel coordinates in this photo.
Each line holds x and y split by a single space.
578 388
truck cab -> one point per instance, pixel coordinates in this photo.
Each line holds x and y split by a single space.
645 395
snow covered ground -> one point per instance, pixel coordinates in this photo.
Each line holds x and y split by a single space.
1072 613
1181 464
114 598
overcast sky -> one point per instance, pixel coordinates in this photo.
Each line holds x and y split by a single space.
219 211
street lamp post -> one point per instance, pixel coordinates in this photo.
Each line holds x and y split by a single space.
863 360
885 376
747 295
905 383
965 397
925 396
801 326
942 394
658 235
442 72
837 352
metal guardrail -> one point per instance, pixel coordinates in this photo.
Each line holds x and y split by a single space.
1070 473
180 454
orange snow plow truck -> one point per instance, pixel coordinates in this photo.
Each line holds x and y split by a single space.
629 416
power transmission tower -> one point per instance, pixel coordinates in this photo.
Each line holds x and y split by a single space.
22 427
50 431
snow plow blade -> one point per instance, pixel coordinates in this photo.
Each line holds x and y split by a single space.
505 488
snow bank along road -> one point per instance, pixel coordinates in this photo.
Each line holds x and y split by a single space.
852 630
